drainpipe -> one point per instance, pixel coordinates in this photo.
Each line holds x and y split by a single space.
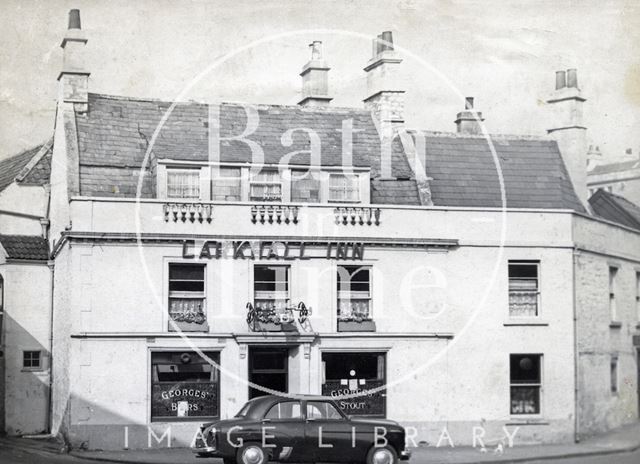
576 391
45 232
50 399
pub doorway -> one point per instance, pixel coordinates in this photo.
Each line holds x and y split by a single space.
356 373
268 367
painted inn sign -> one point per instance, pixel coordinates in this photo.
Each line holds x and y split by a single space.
279 250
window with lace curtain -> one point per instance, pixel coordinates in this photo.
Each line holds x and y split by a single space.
183 183
266 186
354 293
524 291
187 297
344 188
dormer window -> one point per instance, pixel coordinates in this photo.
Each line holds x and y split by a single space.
190 181
344 188
266 186
183 183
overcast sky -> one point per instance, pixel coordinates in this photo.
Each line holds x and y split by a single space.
504 53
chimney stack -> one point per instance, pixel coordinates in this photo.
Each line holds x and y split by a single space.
74 78
469 121
315 78
385 98
568 129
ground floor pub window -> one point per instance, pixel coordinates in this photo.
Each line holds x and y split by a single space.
184 386
526 382
350 373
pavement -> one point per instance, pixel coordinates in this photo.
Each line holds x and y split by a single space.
623 440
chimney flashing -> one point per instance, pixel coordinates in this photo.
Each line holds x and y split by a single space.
315 100
379 92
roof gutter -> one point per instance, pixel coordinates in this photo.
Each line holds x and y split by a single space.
20 215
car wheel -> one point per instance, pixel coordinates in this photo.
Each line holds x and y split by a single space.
251 453
382 455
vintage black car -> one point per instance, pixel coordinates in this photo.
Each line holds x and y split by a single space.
301 429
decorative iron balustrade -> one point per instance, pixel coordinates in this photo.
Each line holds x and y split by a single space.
265 316
191 212
274 214
357 215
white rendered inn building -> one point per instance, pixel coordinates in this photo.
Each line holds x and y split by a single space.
202 254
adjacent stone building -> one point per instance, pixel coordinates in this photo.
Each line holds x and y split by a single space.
620 178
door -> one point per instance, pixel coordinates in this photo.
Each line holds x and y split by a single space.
327 432
268 368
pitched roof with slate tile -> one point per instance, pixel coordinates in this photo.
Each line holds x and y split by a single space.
27 247
615 167
30 167
113 137
463 172
615 208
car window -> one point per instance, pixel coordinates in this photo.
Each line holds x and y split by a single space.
244 410
284 410
322 410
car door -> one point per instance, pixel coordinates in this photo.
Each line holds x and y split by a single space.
327 432
283 426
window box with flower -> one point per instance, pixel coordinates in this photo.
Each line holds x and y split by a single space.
354 299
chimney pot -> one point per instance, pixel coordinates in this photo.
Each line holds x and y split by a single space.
74 19
468 103
387 40
561 79
316 50
572 78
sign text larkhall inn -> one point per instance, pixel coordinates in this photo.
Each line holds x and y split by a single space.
280 250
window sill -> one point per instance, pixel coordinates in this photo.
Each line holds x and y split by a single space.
188 327
32 369
353 326
615 324
525 322
520 421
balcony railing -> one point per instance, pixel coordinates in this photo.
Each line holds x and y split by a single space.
191 212
274 214
357 215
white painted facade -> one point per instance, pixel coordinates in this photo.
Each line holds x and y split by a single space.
447 339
